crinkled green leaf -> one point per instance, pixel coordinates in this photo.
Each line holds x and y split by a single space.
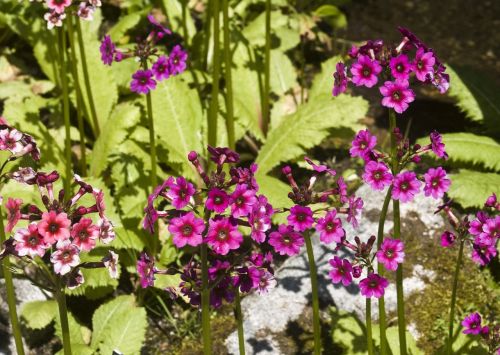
472 188
173 10
283 76
39 314
78 333
332 15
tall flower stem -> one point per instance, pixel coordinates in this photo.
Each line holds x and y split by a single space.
228 77
369 335
315 298
239 321
267 71
214 103
397 234
205 302
449 345
63 315
207 30
86 78
65 106
11 296
380 270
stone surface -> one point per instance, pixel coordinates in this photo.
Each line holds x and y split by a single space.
271 314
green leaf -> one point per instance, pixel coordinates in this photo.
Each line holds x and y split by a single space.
39 314
255 30
308 127
277 193
283 76
79 334
323 82
332 15
173 10
472 188
119 324
124 24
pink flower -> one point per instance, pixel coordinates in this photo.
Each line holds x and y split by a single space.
223 236
54 19
260 219
65 257
217 200
341 271
400 67
365 71
85 11
177 60
491 231
373 286
106 231
266 282
340 79
161 69
186 230
242 200
472 324
286 241
300 218
476 225
397 95
423 66
30 242
436 183
482 254
491 201
405 186
54 227
363 144
85 234
10 139
58 5
377 175
180 192
146 270
111 263
142 81
13 206
391 253
330 228
437 145
108 50
354 211
447 239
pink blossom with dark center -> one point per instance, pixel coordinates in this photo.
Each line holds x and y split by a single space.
364 71
341 271
85 234
106 230
363 144
354 211
146 270
242 201
286 241
482 254
65 257
85 11
491 231
177 60
423 65
186 230
397 95
342 189
142 82
391 253
476 225
111 263
436 182
491 201
58 5
377 175
217 200
13 207
405 186
260 219
447 239
223 235
301 218
441 80
29 242
54 19
180 192
400 67
54 227
108 50
472 324
340 79
161 68
10 139
373 286
437 145
330 228
266 282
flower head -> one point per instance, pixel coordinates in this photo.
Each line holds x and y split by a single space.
65 257
217 200
108 50
29 242
447 239
300 218
260 219
186 230
405 186
363 144
146 270
436 182
242 201
354 211
13 206
85 234
54 227
330 228
58 5
142 81
437 145
340 79
377 175
472 324
423 65
180 192
161 68
286 241
85 11
177 60
400 67
111 263
391 253
223 235
373 286
397 95
341 271
364 71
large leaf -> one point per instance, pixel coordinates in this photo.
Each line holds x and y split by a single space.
472 188
308 127
39 314
323 82
78 333
283 76
173 9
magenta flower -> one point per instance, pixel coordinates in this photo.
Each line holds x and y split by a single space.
397 95
260 219
266 282
242 200
377 175
217 200
400 67
482 254
180 192
405 186
476 225
447 239
330 228
54 227
160 29
142 82
65 257
472 324
354 211
436 182
54 19
10 139
373 286
342 189
111 263
13 207
177 60
146 270
301 218
85 11
340 80
423 66
186 230
491 201
161 68
391 253
85 234
364 71
108 50
223 235
437 145
58 5
341 271
286 241
29 242
491 231
363 144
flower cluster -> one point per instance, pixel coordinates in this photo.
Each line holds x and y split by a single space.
57 10
60 232
216 215
145 51
16 142
473 325
410 61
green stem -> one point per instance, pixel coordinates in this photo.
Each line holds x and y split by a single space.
184 22
239 320
449 344
88 89
65 105
315 299
380 270
369 336
205 302
208 27
397 234
11 296
63 314
267 69
80 105
214 104
228 77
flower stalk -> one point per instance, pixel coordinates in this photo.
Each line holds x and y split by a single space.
205 301
228 77
239 320
449 345
63 315
369 335
214 104
315 298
